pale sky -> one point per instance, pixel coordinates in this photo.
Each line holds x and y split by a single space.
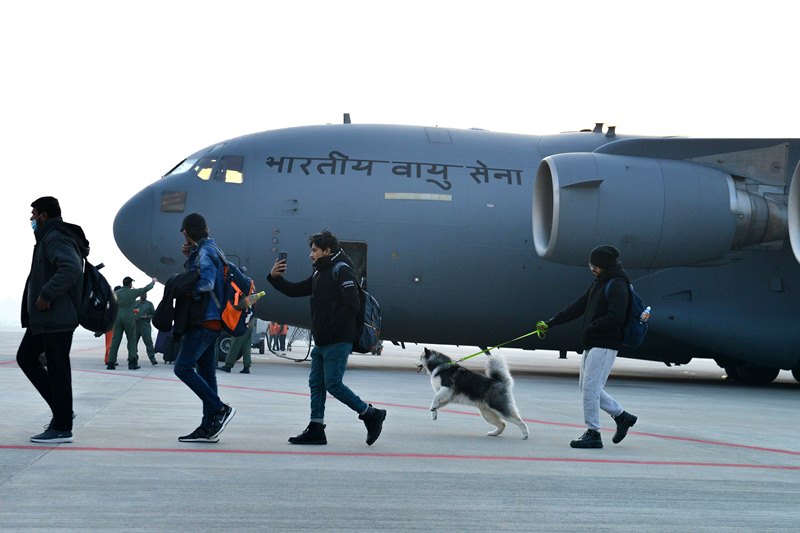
99 98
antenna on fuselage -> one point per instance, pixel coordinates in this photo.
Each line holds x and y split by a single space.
347 118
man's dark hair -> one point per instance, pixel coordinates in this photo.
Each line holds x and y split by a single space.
47 204
325 240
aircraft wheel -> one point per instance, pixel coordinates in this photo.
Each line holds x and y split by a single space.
224 347
757 375
733 373
796 374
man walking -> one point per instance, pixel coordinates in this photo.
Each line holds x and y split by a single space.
143 313
604 307
49 313
335 303
124 323
196 363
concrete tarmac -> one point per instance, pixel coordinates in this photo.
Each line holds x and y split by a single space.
706 454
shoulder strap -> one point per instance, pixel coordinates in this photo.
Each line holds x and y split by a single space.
608 285
219 252
338 266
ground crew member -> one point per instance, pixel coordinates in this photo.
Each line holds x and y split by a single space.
143 312
240 347
126 297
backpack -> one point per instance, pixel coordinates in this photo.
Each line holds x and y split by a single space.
634 329
98 306
236 287
368 319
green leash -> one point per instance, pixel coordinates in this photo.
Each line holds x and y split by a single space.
540 331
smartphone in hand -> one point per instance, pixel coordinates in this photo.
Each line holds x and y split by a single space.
282 256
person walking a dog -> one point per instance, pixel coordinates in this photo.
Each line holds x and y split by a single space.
603 317
335 303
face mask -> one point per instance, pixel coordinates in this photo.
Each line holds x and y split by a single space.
33 225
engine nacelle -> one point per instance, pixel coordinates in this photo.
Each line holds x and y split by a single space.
794 212
657 212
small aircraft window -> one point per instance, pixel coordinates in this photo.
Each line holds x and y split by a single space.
230 169
202 169
173 201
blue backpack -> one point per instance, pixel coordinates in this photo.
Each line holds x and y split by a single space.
236 286
369 319
634 329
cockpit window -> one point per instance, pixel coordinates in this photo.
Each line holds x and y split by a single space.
202 169
230 169
183 166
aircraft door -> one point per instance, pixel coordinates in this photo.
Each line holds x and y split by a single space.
357 251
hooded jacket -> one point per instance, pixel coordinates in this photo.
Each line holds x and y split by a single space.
57 276
602 317
334 302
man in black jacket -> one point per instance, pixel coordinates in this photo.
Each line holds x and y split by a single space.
335 303
50 313
604 307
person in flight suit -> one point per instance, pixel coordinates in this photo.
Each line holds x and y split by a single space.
126 297
143 312
240 348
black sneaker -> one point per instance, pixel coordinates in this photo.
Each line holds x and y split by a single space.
53 436
111 366
624 422
245 370
153 362
373 419
221 420
201 434
224 368
313 434
134 367
590 439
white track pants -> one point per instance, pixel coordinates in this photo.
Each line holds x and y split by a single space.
595 368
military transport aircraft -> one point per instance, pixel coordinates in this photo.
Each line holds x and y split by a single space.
470 237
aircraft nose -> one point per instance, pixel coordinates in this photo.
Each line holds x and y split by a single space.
133 224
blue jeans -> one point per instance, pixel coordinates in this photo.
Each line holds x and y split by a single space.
197 348
328 364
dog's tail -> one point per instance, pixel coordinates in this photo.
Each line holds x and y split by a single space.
497 370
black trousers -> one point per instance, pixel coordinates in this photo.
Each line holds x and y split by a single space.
55 382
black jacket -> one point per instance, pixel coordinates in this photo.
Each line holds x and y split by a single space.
57 276
334 302
602 317
179 308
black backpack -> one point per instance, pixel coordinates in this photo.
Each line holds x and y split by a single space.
369 318
97 309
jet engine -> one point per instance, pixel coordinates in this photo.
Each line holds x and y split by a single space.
794 212
658 212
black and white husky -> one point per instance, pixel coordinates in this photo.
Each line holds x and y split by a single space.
491 394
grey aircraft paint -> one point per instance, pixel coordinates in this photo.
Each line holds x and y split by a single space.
472 236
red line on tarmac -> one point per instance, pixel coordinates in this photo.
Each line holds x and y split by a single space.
454 457
469 413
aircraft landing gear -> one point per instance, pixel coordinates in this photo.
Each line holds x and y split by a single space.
751 374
